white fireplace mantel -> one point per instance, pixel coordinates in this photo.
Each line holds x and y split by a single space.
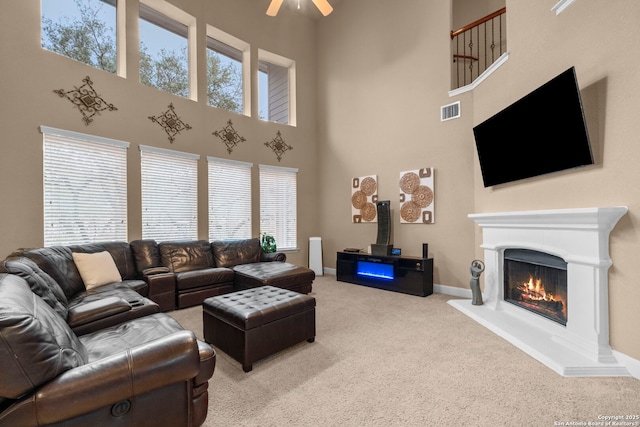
581 238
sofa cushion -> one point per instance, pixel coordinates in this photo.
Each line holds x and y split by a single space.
109 341
186 255
57 262
37 345
205 277
120 252
229 253
96 269
40 283
146 254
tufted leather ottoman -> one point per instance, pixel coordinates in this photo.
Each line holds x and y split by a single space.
254 323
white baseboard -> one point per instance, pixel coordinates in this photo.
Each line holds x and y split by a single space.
327 270
453 291
632 365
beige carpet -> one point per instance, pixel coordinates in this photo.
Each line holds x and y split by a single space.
382 358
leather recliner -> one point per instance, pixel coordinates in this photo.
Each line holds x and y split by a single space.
147 371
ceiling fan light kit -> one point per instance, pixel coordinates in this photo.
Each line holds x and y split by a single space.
323 6
274 7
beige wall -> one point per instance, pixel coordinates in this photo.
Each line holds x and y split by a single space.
384 74
29 74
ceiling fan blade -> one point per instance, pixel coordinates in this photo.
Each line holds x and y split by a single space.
323 6
274 7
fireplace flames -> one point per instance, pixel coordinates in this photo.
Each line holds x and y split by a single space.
534 292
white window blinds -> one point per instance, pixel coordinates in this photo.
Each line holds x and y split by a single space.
85 188
169 194
278 205
229 199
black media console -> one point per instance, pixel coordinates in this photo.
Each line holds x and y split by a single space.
409 275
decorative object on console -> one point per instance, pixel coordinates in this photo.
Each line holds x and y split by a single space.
364 195
85 98
170 122
229 136
278 146
417 196
383 241
268 244
476 269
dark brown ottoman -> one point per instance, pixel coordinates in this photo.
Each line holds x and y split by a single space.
252 324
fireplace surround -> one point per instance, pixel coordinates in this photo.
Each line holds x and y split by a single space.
577 237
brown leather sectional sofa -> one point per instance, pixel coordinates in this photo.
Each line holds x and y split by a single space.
74 355
171 275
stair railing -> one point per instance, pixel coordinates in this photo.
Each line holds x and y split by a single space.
477 45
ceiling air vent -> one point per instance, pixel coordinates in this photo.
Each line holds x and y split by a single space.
451 111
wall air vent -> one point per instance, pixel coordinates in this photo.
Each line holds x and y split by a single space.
451 111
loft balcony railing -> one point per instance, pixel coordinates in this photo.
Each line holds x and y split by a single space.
476 46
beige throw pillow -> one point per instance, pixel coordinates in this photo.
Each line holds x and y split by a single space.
96 269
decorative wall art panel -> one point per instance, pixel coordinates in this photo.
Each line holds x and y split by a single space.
417 197
364 195
229 136
170 122
278 146
87 100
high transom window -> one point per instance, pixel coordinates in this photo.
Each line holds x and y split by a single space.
84 30
167 46
276 88
228 72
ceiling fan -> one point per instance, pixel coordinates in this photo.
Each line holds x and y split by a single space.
323 6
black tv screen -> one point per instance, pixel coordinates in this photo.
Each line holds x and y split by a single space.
543 132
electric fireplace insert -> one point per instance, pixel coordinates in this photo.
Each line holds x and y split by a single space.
536 281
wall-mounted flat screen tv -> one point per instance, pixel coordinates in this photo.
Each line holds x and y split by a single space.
543 132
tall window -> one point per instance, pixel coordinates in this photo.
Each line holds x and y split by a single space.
228 73
84 30
167 46
85 188
169 194
229 199
278 205
276 88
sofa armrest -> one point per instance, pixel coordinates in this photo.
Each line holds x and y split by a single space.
273 256
95 310
155 270
168 360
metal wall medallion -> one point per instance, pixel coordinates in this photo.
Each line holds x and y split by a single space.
85 98
170 122
278 146
229 136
